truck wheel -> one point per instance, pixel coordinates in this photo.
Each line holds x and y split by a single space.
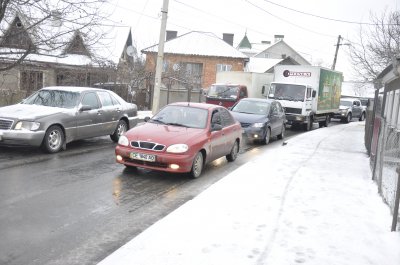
325 122
362 117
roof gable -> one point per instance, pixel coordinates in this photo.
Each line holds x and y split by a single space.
17 36
200 44
280 43
77 46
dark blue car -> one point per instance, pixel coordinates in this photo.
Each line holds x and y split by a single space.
260 119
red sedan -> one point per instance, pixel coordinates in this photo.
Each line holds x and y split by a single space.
181 137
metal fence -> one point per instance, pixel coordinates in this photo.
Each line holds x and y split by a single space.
383 143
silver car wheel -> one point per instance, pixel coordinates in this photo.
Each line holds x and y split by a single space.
121 128
53 140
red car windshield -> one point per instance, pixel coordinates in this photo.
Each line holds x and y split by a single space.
185 116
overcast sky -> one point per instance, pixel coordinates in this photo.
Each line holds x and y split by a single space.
311 27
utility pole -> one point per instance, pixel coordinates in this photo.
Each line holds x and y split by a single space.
160 58
336 52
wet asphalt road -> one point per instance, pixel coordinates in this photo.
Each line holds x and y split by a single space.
78 206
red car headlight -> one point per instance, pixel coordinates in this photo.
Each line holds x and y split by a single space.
177 148
123 140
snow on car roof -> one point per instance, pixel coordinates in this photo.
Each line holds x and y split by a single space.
72 88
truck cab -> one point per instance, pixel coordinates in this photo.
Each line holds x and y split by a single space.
226 94
297 100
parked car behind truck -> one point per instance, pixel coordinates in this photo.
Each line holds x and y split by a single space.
350 108
226 94
308 93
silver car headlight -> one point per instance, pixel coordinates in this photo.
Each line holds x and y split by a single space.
257 125
27 125
177 148
123 140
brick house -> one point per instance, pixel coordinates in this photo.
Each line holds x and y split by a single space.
194 58
73 62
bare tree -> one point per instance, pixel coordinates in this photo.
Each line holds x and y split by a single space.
377 46
50 24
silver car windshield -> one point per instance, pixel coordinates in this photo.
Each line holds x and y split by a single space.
346 103
54 98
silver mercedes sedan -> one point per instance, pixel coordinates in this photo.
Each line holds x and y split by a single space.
55 116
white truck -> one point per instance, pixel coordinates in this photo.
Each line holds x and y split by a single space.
308 93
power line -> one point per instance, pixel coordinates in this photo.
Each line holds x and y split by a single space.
219 17
318 33
140 17
321 17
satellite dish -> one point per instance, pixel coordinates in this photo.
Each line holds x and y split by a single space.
130 50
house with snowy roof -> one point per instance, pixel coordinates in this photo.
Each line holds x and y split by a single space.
265 55
194 58
35 55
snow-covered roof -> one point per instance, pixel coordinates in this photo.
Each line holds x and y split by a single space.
198 43
256 48
104 43
261 65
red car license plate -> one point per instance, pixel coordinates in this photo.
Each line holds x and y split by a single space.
143 157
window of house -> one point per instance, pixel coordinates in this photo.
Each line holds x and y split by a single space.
194 71
396 109
31 80
165 66
224 67
267 55
66 78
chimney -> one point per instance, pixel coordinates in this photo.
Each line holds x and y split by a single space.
171 34
228 38
265 42
278 37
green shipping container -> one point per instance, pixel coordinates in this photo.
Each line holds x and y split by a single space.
330 87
